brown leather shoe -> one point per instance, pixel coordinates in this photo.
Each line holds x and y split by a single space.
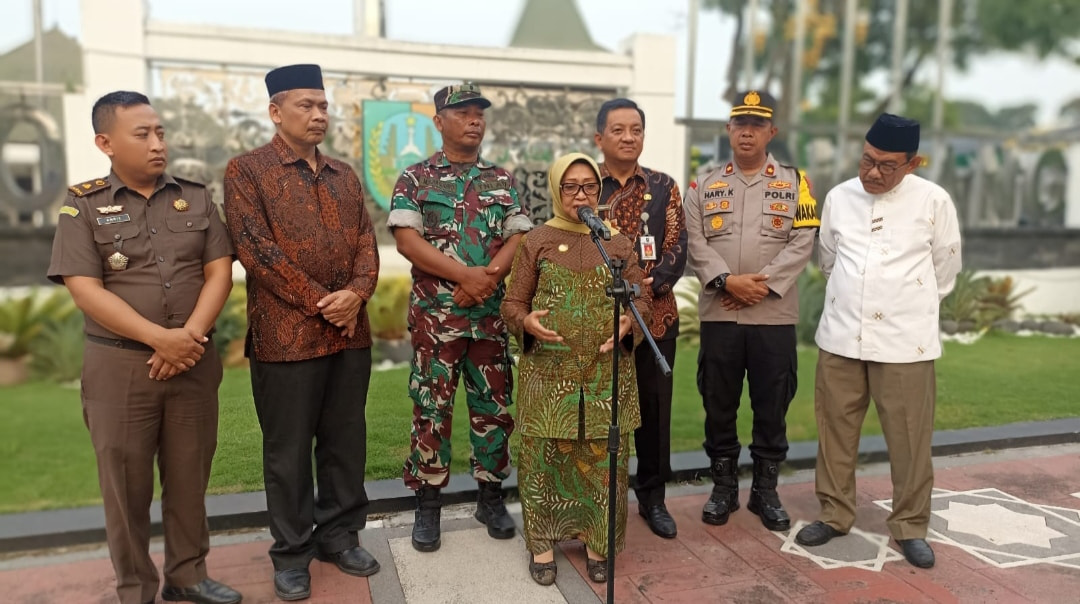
596 569
543 573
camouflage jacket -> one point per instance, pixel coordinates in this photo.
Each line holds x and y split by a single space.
467 217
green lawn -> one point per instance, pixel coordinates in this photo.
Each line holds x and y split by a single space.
46 460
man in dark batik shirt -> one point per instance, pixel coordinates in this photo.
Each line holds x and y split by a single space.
301 231
645 205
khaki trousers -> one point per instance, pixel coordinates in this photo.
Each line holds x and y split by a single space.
904 395
133 419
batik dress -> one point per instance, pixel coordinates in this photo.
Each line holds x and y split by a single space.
564 394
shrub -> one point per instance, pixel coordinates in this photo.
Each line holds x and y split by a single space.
811 286
231 324
57 352
388 308
1000 300
964 301
22 319
686 296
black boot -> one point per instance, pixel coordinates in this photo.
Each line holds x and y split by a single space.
763 498
725 493
426 535
491 510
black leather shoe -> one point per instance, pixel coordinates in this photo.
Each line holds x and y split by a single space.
917 552
817 533
207 591
491 510
426 532
766 504
764 500
720 505
725 494
292 584
353 561
660 521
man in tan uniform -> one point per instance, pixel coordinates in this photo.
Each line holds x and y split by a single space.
147 259
750 227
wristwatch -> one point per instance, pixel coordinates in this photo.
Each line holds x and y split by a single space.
721 281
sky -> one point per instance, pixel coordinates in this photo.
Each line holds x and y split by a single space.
995 80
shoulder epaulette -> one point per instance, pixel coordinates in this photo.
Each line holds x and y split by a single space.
88 187
188 181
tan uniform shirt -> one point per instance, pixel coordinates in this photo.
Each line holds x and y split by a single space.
763 223
165 240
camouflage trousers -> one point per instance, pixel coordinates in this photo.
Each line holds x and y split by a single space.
436 365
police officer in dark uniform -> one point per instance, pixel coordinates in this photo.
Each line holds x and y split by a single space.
147 259
750 224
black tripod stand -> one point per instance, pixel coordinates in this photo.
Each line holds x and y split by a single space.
622 293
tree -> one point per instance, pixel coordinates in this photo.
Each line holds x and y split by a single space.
1043 27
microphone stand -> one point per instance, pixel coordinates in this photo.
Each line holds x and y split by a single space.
622 293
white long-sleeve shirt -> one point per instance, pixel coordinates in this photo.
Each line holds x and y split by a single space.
889 260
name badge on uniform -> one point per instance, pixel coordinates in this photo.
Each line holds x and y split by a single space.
648 247
103 220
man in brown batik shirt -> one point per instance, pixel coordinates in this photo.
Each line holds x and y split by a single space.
301 231
645 205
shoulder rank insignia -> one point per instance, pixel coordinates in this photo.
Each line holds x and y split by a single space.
779 184
70 211
779 207
717 185
88 187
770 170
729 169
693 184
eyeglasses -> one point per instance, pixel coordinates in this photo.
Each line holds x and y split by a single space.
571 189
867 163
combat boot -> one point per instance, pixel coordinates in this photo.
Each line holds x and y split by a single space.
426 535
725 494
763 498
491 510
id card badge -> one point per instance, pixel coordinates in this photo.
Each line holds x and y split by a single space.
648 247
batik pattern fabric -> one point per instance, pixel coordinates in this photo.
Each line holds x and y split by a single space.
564 273
564 490
649 204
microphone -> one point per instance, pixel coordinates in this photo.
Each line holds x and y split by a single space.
591 220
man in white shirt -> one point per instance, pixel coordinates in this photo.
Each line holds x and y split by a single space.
890 249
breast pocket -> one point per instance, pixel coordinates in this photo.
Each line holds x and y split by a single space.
777 217
187 236
115 238
494 207
716 218
440 216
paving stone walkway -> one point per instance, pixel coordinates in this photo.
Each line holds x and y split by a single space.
1005 527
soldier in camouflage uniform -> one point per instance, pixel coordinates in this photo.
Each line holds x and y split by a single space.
458 220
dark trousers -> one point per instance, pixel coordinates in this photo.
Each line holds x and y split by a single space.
765 356
133 419
652 441
324 400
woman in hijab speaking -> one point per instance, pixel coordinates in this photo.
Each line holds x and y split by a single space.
558 309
